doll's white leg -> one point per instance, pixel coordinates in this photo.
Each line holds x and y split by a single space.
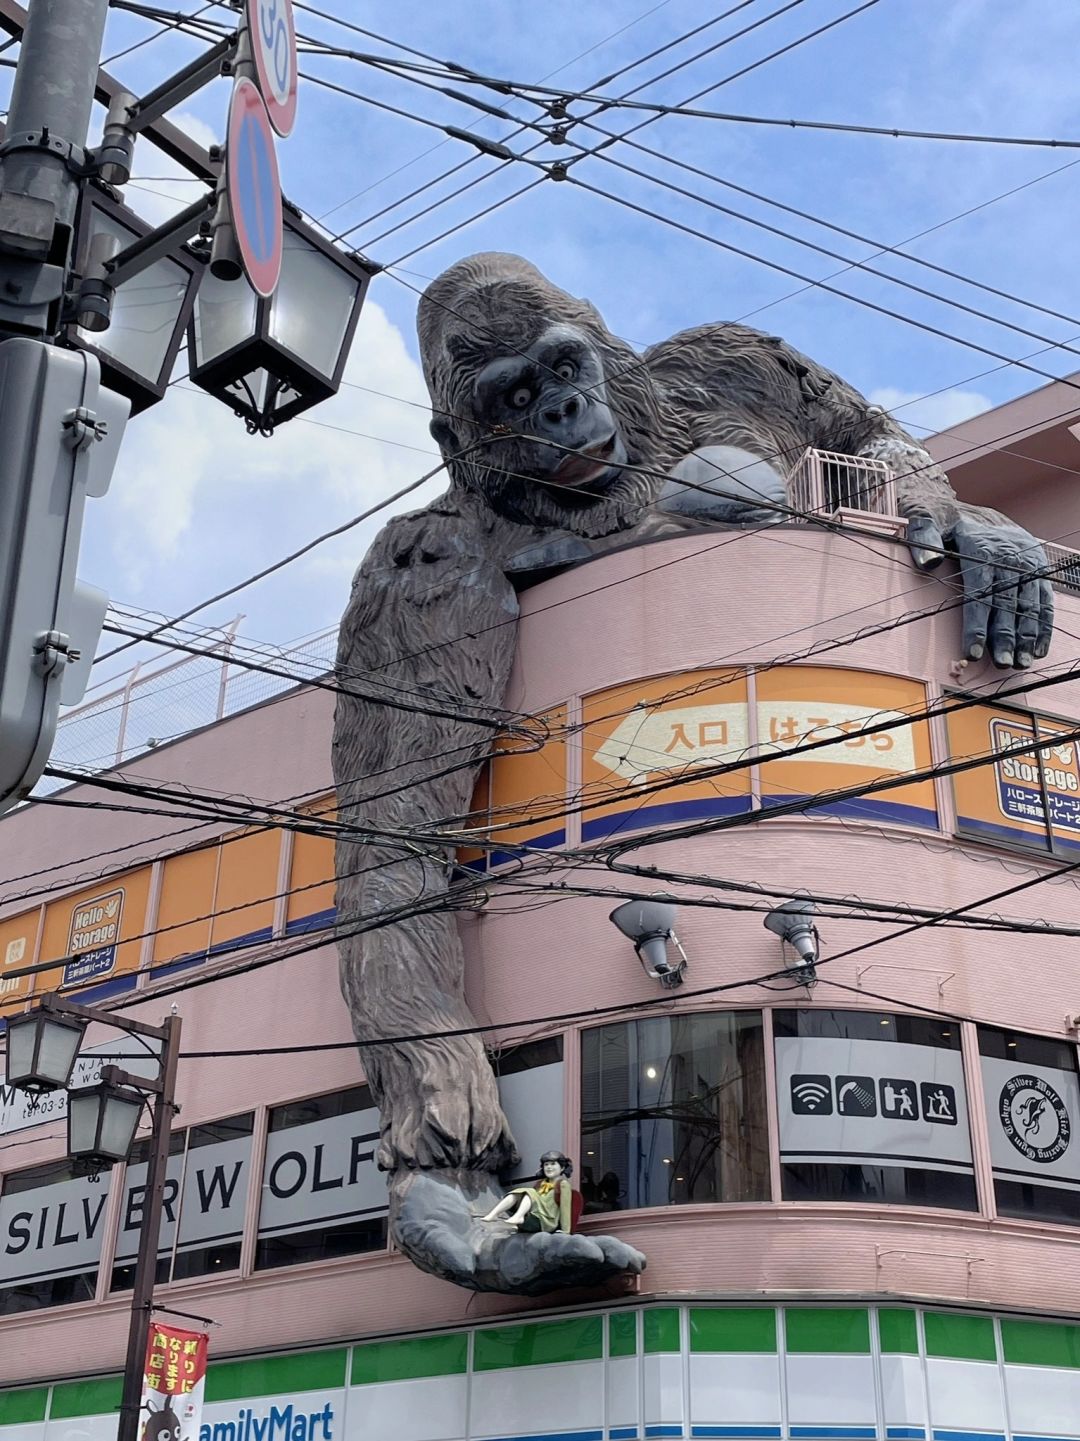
506 1204
522 1211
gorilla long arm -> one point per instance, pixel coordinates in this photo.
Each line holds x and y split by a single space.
733 386
432 620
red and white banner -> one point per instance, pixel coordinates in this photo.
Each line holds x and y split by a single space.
174 1377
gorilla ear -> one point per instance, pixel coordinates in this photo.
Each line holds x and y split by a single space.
443 433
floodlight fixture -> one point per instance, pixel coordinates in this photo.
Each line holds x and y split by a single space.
650 924
793 922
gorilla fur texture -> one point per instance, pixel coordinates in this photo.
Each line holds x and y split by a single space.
560 443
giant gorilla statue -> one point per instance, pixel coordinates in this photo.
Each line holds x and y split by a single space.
560 442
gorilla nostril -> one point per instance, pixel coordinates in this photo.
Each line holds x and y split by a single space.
553 417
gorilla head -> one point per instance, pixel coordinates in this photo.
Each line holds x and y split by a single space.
506 352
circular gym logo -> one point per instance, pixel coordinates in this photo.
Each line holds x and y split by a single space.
1034 1118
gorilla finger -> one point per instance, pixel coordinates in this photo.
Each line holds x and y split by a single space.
1046 619
1027 621
978 579
925 542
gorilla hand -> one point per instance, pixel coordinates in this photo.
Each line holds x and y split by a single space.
724 484
1008 599
435 1220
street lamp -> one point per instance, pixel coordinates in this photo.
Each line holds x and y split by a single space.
135 328
42 1047
271 359
102 1121
41 1050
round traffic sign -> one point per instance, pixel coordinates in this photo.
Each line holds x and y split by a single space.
251 175
273 48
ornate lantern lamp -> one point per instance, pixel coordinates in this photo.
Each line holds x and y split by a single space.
138 343
271 359
41 1050
102 1121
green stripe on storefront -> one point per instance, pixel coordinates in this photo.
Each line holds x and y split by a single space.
96 1397
622 1333
661 1329
732 1329
410 1360
1041 1343
26 1404
538 1344
839 1330
960 1338
275 1375
898 1331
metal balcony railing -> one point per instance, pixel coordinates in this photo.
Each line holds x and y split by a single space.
825 483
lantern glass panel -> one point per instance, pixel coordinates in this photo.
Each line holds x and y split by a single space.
224 316
312 306
83 1107
145 311
122 1111
41 1050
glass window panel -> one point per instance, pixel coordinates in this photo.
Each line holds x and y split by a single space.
1032 1098
673 1111
187 892
51 1222
247 883
530 1079
322 1194
311 876
872 1108
205 1201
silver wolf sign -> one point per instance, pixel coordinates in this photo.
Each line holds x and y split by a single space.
560 443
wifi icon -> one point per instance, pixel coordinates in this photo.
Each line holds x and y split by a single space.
811 1095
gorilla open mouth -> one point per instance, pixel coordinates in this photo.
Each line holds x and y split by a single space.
592 464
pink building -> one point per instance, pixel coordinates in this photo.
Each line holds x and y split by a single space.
860 1201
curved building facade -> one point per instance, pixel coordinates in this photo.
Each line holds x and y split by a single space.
859 1198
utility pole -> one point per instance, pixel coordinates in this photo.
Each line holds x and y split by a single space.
59 431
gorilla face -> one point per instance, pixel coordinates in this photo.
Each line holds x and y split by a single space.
538 407
553 395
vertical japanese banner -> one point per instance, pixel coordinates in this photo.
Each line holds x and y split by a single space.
174 1378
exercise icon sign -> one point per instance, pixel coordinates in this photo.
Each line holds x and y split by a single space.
254 188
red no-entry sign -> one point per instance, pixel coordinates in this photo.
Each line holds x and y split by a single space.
251 174
273 48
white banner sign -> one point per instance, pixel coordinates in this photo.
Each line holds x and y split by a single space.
321 1172
18 1111
214 1182
52 1230
1033 1115
882 1102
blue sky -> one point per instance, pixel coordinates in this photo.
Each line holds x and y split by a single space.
197 504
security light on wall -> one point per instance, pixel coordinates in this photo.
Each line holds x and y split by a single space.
650 924
793 922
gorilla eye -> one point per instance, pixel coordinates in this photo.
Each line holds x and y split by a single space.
520 397
566 370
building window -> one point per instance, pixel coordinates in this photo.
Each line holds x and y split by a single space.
530 1080
1032 1100
51 1223
322 1193
872 1108
673 1112
206 1188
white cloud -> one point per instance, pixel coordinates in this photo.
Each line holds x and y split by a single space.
197 503
930 414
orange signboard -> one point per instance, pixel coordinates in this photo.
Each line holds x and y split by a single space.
638 741
94 931
311 874
1004 799
520 797
18 936
801 705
